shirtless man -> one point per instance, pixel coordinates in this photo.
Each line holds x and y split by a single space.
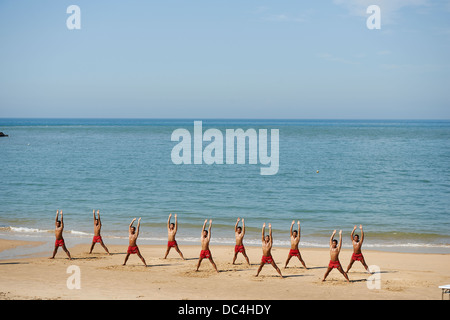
205 253
239 234
267 242
59 227
334 254
97 229
357 244
172 229
295 240
133 234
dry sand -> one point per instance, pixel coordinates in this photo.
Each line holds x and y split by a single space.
402 275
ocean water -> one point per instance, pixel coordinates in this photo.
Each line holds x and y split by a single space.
393 177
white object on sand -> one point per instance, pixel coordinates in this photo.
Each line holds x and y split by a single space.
445 289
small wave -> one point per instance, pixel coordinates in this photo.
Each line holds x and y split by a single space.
25 230
281 243
81 233
379 244
35 230
411 245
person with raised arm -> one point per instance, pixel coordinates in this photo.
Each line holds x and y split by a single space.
97 236
59 242
295 240
205 239
239 235
172 229
335 249
267 242
133 234
357 254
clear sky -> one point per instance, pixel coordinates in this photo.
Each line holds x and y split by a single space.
225 59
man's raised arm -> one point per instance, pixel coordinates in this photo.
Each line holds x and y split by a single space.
203 228
131 224
209 229
176 223
270 233
263 231
168 221
243 227
56 219
138 226
340 239
332 237
62 219
362 233
236 225
292 226
353 233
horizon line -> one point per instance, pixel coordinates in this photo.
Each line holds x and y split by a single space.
225 118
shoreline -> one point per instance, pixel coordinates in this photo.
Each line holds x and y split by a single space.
401 275
78 237
7 244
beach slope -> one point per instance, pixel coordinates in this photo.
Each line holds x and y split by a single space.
401 275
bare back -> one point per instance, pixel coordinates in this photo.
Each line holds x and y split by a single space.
205 242
59 232
239 238
97 229
132 237
357 246
334 254
294 242
267 248
171 233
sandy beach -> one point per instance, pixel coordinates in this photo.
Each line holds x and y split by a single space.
402 275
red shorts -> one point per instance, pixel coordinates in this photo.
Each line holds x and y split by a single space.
205 254
266 259
97 239
334 264
294 253
132 250
239 249
357 257
59 243
171 244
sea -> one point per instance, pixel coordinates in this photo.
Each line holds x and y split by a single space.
390 176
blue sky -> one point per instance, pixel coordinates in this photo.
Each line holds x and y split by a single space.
225 59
